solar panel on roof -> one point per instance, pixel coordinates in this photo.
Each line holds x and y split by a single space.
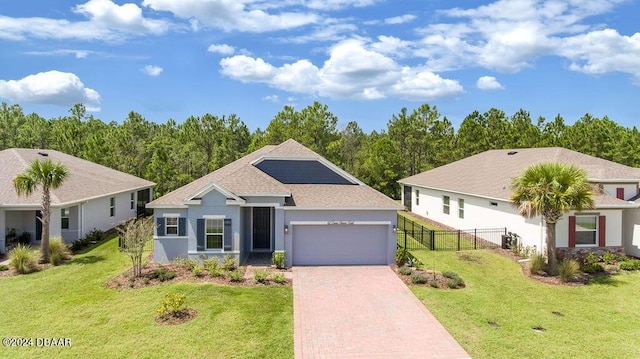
301 172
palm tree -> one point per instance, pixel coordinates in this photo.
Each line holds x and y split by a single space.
50 176
551 189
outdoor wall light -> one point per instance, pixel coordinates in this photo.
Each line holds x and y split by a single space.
286 229
395 228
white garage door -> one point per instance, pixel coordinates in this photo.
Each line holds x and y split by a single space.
340 244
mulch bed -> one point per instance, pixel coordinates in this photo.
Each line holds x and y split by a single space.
126 281
580 279
12 272
431 276
182 316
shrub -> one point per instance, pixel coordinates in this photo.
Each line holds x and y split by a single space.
402 257
567 269
3 267
592 268
23 259
229 263
186 262
404 270
236 275
279 278
450 275
538 263
95 235
630 264
609 258
434 284
211 265
279 258
198 271
260 276
161 274
24 239
418 278
455 283
58 251
590 264
171 304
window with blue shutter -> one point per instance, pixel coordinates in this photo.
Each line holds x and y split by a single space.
182 227
200 234
227 234
160 226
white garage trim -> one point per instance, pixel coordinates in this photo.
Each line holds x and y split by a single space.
340 223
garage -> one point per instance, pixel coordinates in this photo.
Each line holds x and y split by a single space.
340 244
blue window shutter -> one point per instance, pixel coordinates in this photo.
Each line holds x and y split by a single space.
160 229
227 234
200 234
182 227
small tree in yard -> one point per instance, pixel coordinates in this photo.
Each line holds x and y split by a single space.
134 235
551 189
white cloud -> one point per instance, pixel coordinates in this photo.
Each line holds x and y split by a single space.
52 87
222 49
352 70
79 54
233 15
337 4
330 30
507 35
488 83
399 19
106 21
152 70
604 51
271 98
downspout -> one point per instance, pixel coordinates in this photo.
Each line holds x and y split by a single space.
541 235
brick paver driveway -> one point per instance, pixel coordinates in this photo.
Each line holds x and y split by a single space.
363 312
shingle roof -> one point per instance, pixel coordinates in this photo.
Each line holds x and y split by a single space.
244 179
86 179
489 174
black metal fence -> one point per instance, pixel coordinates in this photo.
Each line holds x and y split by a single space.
414 236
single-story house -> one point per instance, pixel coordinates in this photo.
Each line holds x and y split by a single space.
474 193
278 198
92 197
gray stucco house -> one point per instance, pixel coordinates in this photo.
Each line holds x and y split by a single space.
92 197
278 198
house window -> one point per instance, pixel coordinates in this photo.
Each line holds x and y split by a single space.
112 206
64 218
214 233
460 207
417 197
586 230
171 226
446 204
133 200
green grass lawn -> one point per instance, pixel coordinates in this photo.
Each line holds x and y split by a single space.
600 320
71 301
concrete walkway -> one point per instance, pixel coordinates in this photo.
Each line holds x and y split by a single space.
363 312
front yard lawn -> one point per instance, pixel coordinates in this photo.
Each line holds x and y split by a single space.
494 316
71 301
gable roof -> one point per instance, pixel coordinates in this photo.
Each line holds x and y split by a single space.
243 178
488 174
86 179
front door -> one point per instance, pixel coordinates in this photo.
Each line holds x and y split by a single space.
261 228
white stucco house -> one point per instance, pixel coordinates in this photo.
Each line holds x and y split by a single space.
92 197
474 193
278 198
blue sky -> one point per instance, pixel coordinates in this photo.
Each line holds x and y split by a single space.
365 59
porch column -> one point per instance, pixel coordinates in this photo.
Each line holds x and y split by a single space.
2 231
55 226
279 229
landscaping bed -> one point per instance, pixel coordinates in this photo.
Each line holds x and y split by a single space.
154 274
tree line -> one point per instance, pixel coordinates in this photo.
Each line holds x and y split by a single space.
173 154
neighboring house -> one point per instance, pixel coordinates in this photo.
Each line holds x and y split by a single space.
92 197
278 198
474 193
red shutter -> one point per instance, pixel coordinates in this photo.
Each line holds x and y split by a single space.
572 231
602 230
620 193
